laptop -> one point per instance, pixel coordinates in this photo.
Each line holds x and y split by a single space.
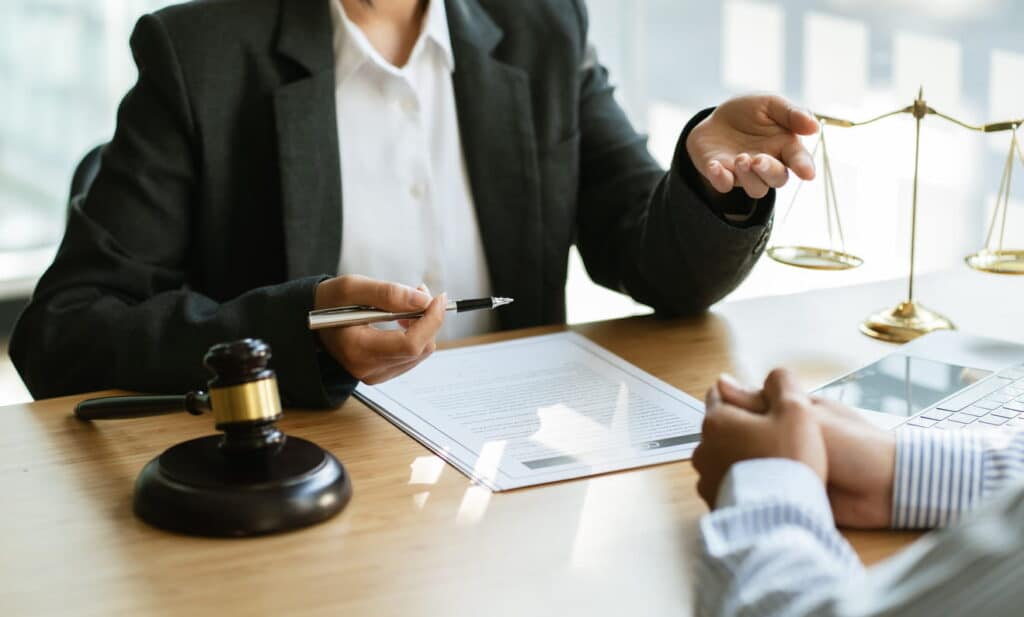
942 381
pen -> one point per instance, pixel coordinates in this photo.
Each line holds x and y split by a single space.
347 316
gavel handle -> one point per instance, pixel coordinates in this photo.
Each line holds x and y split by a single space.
124 407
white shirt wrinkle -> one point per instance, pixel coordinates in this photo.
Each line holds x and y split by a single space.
408 210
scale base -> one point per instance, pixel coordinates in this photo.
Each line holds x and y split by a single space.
904 323
196 488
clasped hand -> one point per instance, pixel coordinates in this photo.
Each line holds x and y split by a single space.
854 459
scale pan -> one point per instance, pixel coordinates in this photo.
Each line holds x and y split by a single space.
997 262
814 258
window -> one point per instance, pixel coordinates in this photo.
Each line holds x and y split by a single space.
64 65
849 58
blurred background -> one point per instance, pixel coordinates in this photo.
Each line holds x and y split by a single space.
65 64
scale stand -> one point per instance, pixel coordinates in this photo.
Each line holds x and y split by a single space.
908 320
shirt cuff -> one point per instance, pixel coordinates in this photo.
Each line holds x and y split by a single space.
774 480
938 477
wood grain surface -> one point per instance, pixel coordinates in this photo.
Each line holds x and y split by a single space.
418 538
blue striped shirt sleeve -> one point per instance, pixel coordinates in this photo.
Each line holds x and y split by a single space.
942 475
771 548
772 517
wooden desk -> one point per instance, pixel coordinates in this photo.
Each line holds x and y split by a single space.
418 538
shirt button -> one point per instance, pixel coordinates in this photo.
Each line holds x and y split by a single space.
409 105
418 191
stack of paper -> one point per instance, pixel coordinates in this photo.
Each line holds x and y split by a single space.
539 409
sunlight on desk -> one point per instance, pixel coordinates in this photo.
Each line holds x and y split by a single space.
473 506
426 470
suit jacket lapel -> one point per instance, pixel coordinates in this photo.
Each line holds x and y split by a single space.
496 125
308 141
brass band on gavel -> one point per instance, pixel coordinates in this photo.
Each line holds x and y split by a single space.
247 402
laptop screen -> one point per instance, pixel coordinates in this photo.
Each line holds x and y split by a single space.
901 385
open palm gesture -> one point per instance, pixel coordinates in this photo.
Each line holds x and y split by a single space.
752 142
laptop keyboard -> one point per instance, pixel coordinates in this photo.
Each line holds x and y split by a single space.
991 403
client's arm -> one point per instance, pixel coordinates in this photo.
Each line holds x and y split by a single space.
942 476
908 479
771 547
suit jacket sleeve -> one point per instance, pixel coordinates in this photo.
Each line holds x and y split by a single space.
115 310
649 233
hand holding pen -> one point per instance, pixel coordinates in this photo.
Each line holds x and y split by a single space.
374 356
370 355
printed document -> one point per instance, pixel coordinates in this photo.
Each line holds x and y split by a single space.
539 409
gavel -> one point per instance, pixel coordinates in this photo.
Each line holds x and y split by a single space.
250 480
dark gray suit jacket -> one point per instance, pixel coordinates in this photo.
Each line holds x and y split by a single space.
217 208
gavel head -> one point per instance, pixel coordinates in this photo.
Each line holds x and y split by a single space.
243 395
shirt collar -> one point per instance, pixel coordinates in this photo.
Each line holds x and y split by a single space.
436 29
352 49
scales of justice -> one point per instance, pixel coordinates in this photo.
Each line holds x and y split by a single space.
908 319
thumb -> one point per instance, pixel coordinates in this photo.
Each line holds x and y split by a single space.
712 399
384 295
782 390
739 395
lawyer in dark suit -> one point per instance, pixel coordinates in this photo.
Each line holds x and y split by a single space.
217 211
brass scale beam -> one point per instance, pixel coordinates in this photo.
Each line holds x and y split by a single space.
909 319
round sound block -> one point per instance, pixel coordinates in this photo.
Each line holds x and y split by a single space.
195 488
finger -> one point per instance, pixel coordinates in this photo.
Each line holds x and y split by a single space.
721 421
712 399
382 294
425 329
389 373
720 177
726 419
745 177
789 116
707 490
388 347
697 458
797 158
734 393
781 388
405 324
770 170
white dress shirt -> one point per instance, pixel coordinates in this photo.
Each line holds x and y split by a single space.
408 213
772 548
